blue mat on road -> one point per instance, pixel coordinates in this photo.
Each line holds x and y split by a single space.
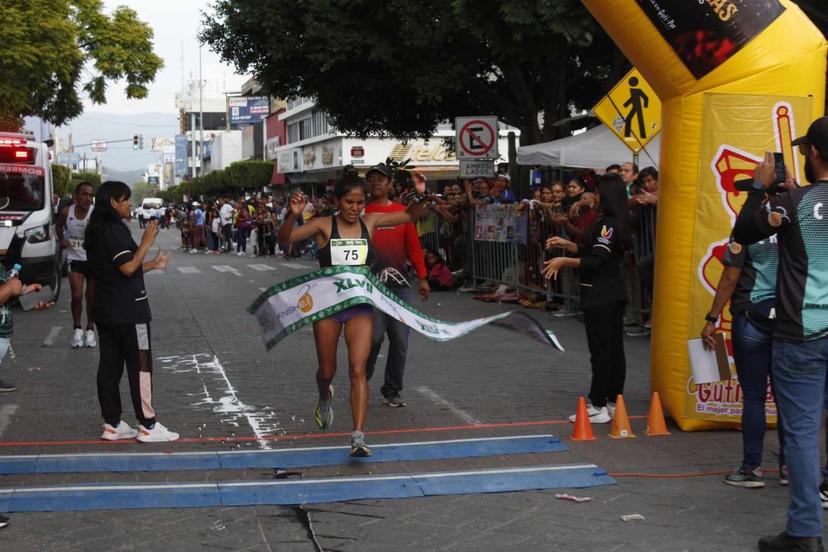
299 491
281 458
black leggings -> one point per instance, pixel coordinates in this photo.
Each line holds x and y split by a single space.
125 344
605 337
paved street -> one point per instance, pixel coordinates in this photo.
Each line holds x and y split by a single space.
216 385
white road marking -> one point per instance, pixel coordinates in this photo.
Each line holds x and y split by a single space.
440 401
50 338
227 268
262 289
262 421
294 265
188 270
6 412
261 267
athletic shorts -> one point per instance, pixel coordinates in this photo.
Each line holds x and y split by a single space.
351 312
79 266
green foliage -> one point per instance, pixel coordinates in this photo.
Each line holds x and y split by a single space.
48 44
399 68
173 194
141 190
61 178
78 177
248 175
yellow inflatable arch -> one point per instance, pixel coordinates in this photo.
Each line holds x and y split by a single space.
736 78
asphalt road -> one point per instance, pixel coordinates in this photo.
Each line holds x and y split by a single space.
218 387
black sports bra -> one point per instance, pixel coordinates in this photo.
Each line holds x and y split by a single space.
347 251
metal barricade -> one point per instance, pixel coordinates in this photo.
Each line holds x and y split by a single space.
643 226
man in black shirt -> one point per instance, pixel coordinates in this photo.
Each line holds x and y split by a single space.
800 349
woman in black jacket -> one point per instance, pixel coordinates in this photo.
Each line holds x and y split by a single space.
122 312
603 293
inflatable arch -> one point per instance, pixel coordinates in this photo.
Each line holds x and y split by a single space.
736 78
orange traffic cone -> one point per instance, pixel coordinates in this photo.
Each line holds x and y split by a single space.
655 418
583 429
621 422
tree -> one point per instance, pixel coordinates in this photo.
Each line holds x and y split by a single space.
400 68
88 176
248 175
61 179
48 44
141 190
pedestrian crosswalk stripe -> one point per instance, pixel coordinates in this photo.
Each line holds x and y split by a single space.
261 267
295 265
188 270
226 268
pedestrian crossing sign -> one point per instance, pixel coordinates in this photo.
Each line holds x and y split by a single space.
632 110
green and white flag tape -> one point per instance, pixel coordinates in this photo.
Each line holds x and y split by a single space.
291 305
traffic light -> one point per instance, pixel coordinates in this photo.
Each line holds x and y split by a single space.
135 142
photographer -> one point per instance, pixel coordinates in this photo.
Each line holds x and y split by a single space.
800 345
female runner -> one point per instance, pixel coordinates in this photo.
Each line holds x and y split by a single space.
330 234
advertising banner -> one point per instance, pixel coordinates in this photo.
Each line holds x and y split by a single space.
500 223
243 110
706 33
180 155
738 130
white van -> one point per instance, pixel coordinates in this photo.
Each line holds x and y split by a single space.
153 207
27 216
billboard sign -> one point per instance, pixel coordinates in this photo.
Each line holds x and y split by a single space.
180 155
245 110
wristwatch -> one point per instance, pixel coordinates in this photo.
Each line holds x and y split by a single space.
758 186
710 318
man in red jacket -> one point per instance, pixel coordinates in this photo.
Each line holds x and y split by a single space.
393 245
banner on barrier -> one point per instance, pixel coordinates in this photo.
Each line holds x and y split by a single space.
738 130
500 223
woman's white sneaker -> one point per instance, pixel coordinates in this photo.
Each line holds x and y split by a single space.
123 431
77 338
596 415
90 339
158 434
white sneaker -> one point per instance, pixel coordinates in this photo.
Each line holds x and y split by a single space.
77 338
158 434
123 431
90 338
611 409
596 415
193 250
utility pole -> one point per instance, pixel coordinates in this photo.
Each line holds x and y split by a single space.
200 107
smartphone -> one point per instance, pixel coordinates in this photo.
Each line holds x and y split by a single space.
30 300
779 167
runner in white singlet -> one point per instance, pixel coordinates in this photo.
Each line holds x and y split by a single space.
71 229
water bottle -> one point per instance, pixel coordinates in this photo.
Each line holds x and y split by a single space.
14 272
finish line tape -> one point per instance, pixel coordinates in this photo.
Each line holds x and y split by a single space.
302 491
280 458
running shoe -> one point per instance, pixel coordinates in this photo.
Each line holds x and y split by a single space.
744 477
637 332
358 447
158 434
122 431
77 338
4 521
324 411
786 543
393 400
783 478
823 495
90 339
611 409
6 387
597 415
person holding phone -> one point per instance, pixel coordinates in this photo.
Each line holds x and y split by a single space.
343 239
121 309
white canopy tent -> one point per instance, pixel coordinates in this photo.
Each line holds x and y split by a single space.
594 149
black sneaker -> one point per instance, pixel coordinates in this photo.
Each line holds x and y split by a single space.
743 477
4 521
823 495
783 478
784 543
393 400
6 387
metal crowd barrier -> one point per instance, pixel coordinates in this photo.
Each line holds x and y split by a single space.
520 265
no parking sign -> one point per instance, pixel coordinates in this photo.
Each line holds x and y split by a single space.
476 137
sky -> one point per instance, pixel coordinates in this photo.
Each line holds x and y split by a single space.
175 23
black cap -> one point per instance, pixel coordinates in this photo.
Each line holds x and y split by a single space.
381 168
817 135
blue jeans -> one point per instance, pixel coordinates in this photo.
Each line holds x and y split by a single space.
799 371
753 353
397 346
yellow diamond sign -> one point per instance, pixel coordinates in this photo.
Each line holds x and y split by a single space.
631 110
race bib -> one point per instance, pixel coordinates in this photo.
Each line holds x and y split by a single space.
77 244
349 252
